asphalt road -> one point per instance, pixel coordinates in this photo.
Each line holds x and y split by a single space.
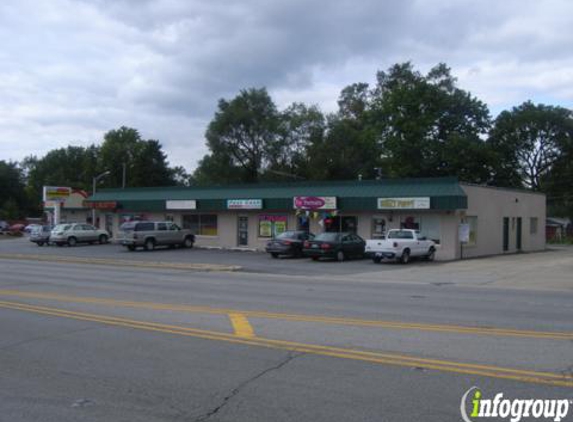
97 343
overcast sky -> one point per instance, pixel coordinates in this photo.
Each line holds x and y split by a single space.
70 70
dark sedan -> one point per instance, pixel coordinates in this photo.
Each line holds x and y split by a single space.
335 245
288 243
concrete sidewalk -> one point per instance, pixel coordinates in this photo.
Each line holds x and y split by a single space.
548 270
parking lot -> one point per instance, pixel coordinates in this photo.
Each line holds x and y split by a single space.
550 270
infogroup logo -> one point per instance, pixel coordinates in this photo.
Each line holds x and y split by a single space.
474 407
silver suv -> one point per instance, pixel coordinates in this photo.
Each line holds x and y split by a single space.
74 233
150 234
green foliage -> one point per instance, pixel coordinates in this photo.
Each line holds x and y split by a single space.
429 127
245 134
13 201
529 141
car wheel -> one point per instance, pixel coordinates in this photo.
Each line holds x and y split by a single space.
149 244
275 255
340 256
405 258
188 242
72 241
131 248
102 239
377 260
431 254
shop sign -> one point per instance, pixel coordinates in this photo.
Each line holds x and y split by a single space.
272 225
314 202
188 204
101 205
464 233
56 193
244 204
404 203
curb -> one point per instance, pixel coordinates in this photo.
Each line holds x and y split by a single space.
125 263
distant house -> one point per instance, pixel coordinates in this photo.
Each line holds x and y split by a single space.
558 228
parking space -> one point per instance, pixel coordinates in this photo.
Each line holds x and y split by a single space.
257 262
549 270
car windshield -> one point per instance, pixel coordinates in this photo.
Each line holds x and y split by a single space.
288 235
62 227
128 227
327 237
400 234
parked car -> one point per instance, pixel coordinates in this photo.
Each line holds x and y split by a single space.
41 235
30 227
74 233
149 234
288 243
4 226
401 245
334 245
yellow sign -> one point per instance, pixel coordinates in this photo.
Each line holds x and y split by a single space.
56 193
403 203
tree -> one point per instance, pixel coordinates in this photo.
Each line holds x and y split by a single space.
244 133
73 166
13 202
301 127
529 141
425 124
144 160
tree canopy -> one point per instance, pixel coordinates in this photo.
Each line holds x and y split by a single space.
407 124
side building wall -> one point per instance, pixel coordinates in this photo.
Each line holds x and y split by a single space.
488 207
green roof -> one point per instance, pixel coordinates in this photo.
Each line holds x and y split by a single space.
445 193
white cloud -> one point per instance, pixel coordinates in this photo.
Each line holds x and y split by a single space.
70 70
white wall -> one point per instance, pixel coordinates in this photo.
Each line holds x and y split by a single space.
491 205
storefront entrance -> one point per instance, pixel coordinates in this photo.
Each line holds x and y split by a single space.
243 231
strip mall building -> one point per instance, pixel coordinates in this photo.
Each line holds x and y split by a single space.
465 220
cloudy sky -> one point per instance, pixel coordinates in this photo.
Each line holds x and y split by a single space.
70 70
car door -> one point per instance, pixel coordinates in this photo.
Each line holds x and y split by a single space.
90 233
162 236
174 235
346 245
359 245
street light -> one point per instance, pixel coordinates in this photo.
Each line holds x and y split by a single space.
95 180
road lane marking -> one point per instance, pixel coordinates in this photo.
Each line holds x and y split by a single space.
456 329
521 375
241 325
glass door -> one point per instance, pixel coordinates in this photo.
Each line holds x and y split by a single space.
243 231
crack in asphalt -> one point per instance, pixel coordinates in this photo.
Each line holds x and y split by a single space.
237 390
46 337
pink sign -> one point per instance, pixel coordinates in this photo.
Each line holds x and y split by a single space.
314 202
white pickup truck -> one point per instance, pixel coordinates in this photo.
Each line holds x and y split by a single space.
400 245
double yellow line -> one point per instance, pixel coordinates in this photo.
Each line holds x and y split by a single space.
336 352
457 329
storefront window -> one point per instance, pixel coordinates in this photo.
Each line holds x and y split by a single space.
378 227
341 224
410 222
302 223
201 224
430 227
272 225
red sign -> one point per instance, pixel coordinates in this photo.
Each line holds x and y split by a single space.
315 202
103 205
